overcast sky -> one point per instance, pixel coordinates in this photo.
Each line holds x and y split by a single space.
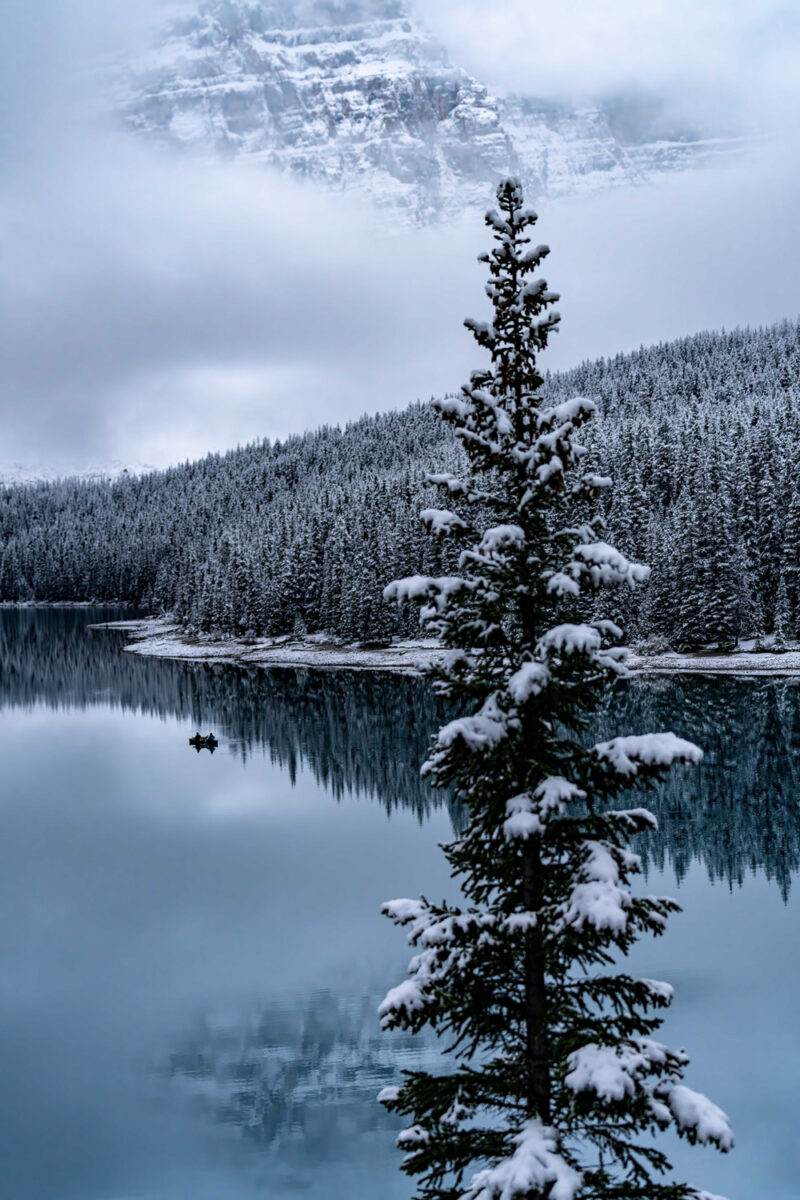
154 309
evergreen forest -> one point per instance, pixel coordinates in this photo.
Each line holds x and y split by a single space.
700 436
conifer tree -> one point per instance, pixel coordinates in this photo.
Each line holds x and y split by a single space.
791 561
782 615
555 1085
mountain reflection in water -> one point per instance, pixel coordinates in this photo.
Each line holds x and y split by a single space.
298 1078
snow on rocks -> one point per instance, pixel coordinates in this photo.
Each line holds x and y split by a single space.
536 1166
165 638
740 663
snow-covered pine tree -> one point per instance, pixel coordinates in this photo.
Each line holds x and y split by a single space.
556 1085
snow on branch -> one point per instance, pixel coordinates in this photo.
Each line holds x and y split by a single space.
606 565
498 542
483 731
441 522
632 820
563 585
454 485
573 412
403 912
699 1118
598 897
572 639
530 680
596 482
663 993
451 406
563 641
627 754
613 1073
447 939
532 257
535 1168
598 562
425 587
529 813
401 1003
459 487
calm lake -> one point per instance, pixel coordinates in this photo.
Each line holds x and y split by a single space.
191 950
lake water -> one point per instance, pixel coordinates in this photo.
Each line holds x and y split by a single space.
191 951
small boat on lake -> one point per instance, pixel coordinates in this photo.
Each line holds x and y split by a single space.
201 742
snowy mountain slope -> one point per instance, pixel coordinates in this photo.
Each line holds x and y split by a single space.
23 473
356 94
249 544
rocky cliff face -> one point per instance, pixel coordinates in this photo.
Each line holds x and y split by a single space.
355 94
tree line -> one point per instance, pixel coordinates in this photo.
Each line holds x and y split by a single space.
700 436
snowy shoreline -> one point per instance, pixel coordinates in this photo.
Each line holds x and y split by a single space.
158 637
25 604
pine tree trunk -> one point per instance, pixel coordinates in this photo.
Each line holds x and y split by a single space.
537 1067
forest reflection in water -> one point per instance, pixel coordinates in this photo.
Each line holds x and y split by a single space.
366 733
191 947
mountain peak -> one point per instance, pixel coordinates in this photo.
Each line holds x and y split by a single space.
356 93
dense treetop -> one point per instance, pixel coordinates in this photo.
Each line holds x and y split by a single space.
701 436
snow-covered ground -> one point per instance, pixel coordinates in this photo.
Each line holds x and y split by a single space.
163 638
742 662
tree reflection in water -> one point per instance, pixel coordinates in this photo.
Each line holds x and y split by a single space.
299 1075
366 733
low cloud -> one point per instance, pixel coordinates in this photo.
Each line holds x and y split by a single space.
721 58
155 308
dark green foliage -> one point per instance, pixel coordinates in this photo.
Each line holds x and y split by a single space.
555 1087
708 425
